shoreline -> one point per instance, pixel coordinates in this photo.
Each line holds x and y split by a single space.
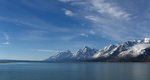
4 62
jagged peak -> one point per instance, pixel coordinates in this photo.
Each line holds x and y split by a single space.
139 41
133 40
68 51
118 45
109 46
86 47
146 40
131 47
62 52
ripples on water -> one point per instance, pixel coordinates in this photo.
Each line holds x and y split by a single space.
75 71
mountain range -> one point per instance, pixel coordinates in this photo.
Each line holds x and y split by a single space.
130 51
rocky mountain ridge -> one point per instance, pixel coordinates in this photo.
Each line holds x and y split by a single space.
133 50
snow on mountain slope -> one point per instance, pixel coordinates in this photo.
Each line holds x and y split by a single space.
147 40
104 52
135 50
66 55
84 53
113 50
132 48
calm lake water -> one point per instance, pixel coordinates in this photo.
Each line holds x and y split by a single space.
75 71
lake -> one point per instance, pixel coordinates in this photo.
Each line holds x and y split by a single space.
75 71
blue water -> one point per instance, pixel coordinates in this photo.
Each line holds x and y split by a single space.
75 71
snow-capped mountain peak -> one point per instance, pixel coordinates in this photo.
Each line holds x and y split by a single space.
86 48
66 55
85 53
130 49
147 40
135 50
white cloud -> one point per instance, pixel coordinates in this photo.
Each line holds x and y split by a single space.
92 32
68 12
92 18
6 43
78 3
102 7
6 36
107 19
84 35
109 8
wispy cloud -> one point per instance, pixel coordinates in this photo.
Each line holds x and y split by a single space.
109 20
68 12
84 35
92 32
5 39
40 28
110 9
6 43
32 35
102 7
92 18
6 36
34 22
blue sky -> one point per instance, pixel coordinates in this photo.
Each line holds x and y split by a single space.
37 29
